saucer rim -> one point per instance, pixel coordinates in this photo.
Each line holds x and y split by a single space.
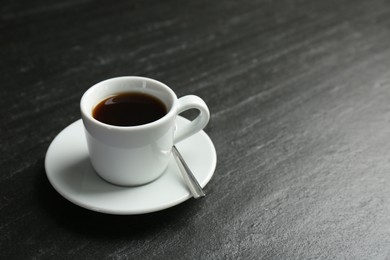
126 211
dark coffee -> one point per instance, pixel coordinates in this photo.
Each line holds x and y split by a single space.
129 109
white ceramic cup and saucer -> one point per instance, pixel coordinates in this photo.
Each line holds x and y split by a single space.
135 164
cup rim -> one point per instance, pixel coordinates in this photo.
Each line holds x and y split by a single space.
170 112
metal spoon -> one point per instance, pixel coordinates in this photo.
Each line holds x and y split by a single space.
188 176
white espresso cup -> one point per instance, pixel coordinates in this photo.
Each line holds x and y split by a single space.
136 155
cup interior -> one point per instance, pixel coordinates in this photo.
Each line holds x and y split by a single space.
114 86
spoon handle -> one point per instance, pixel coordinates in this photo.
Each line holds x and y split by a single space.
188 176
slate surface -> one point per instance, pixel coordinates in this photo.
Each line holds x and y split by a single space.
299 94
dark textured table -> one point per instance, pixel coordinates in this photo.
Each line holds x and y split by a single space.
299 94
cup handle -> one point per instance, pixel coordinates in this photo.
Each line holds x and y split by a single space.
191 102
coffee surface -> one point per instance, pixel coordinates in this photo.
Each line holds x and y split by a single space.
129 109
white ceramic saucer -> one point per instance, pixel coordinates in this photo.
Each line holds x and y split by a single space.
69 171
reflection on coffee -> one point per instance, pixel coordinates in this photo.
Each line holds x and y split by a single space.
129 109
